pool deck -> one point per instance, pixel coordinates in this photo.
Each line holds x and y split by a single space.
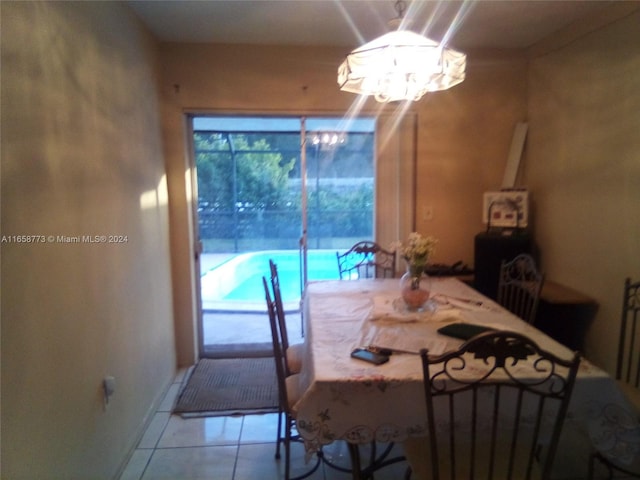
209 261
220 329
241 332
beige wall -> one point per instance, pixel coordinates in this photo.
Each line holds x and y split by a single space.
575 89
463 135
583 164
81 155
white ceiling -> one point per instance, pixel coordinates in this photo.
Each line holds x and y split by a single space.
350 23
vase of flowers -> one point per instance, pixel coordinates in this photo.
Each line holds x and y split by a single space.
415 285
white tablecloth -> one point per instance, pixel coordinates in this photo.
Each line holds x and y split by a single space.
358 402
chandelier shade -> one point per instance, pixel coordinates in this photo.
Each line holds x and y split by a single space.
401 65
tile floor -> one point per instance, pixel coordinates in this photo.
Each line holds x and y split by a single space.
232 448
224 448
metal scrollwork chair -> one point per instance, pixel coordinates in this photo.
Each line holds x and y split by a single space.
627 374
506 400
288 392
366 260
519 287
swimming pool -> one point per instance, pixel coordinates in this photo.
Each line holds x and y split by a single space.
236 285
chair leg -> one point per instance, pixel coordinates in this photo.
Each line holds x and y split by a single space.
279 435
354 453
287 439
287 447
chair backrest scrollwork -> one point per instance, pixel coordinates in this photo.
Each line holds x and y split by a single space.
494 404
366 260
519 287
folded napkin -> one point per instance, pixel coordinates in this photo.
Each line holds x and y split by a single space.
383 304
447 315
394 310
387 308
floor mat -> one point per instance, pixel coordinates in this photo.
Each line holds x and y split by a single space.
228 386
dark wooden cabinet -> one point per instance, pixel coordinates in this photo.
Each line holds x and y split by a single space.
565 314
490 249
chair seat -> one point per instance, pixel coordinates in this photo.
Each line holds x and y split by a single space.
294 357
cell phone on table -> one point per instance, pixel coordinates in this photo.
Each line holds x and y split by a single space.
369 356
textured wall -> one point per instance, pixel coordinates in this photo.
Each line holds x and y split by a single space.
583 167
81 155
462 139
464 135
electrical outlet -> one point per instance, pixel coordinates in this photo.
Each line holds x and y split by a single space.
427 213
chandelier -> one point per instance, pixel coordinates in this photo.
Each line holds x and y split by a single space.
401 65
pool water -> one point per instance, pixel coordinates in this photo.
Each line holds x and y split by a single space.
239 280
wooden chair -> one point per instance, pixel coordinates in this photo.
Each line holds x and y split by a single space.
288 392
627 370
366 260
519 287
506 400
293 352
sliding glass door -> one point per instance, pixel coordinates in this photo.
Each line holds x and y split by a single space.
291 189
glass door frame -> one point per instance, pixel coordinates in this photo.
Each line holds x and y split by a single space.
195 232
379 152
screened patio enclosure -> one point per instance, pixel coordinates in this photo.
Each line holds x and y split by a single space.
293 189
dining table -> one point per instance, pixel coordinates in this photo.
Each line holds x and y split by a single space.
348 399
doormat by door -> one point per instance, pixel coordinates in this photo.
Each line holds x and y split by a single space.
228 386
